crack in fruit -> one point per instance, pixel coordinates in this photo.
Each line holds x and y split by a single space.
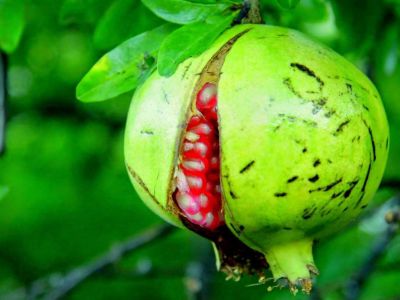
198 190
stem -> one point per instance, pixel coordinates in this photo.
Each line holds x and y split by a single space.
250 13
254 14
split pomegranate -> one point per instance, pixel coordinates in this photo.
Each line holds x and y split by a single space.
198 192
263 144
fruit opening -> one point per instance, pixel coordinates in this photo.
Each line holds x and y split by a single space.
198 190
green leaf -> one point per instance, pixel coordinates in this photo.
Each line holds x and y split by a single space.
82 11
116 25
184 12
11 24
122 69
288 4
189 40
3 191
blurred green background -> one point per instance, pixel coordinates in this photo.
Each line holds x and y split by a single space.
65 196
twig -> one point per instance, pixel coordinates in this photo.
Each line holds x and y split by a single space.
353 288
57 286
250 13
3 94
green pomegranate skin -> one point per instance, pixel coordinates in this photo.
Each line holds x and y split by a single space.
303 142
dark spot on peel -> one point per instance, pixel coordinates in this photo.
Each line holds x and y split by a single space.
364 206
146 132
280 194
352 186
287 228
349 88
304 150
346 208
365 107
308 212
232 195
292 179
289 84
335 195
372 140
327 187
316 163
247 167
308 72
339 129
366 177
314 178
241 227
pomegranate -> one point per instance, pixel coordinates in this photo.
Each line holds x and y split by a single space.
262 144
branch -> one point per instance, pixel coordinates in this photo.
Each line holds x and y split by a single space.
392 217
57 286
3 94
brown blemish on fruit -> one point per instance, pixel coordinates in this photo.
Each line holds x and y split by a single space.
288 82
372 139
352 186
304 150
349 88
308 72
231 192
314 178
292 179
339 129
327 187
316 163
280 194
335 195
247 167
308 212
329 113
366 177
147 132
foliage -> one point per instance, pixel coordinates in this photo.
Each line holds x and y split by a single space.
65 196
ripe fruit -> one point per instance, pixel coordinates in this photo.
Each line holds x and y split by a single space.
268 134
